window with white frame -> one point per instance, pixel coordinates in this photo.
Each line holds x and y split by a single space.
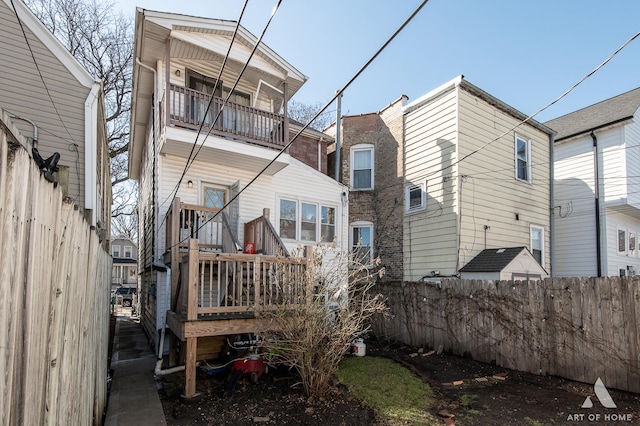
115 251
415 197
523 159
304 221
537 243
361 242
128 252
622 241
362 176
632 243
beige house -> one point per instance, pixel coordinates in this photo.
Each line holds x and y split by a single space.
475 177
55 101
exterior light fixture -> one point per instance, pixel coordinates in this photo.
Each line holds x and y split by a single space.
190 184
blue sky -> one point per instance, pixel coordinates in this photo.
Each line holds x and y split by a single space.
526 53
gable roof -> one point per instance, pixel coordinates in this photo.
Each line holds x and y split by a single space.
492 260
602 114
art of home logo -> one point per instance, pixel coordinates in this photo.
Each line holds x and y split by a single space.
606 401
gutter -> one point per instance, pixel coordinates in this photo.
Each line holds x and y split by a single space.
596 177
552 231
91 150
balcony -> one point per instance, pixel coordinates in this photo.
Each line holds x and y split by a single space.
190 109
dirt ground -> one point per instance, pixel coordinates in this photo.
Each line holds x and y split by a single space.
488 395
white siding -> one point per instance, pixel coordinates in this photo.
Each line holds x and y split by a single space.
430 146
618 220
632 149
296 181
489 192
575 223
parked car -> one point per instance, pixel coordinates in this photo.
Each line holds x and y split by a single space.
127 294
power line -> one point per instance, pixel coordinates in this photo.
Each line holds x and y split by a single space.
543 108
333 98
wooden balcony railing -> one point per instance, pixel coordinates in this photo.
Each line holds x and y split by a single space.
187 107
217 283
263 235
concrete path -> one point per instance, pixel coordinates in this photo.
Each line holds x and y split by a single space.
134 396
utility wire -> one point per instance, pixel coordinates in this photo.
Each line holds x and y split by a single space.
195 142
541 109
335 96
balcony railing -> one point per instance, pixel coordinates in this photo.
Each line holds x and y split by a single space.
220 283
187 107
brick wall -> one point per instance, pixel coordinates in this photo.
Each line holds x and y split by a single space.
383 206
305 149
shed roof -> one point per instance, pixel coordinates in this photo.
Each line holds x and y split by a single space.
492 260
599 115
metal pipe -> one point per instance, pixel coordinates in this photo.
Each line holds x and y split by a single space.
552 140
596 174
158 371
338 125
35 128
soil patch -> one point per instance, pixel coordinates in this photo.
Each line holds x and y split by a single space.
487 395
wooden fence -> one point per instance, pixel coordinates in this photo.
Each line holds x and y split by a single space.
54 301
580 329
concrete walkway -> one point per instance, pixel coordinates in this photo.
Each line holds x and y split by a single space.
134 396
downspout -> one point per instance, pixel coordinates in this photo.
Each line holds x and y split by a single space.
596 176
338 129
552 140
91 150
158 371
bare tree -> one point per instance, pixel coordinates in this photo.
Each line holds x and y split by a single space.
102 41
312 330
303 113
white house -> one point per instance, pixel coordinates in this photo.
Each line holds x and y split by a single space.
246 193
597 188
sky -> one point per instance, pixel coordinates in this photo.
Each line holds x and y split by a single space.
526 53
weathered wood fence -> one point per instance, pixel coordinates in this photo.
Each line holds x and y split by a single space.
54 301
580 329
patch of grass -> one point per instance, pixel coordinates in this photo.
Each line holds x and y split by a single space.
533 422
467 399
396 395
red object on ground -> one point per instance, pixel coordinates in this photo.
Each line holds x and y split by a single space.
250 248
251 366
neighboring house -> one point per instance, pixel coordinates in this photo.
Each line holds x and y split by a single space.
372 167
597 177
435 182
53 99
292 203
125 263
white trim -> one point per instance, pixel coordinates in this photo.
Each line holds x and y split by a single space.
362 224
542 242
626 240
517 137
91 151
423 197
352 150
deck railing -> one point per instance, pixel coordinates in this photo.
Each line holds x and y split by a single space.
187 107
263 235
221 283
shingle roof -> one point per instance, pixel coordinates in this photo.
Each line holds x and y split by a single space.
492 260
604 113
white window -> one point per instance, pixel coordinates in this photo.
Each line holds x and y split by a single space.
622 241
415 197
361 242
523 159
307 222
632 244
115 251
362 167
537 243
128 252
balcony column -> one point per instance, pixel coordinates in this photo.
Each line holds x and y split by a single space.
167 78
286 112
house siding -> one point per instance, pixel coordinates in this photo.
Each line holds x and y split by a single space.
631 134
489 191
430 153
61 128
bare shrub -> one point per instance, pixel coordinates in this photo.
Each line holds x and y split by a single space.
313 331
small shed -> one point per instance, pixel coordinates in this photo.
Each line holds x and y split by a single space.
510 263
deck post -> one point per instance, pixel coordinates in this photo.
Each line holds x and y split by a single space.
192 290
190 368
308 255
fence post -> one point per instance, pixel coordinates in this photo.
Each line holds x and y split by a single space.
192 292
